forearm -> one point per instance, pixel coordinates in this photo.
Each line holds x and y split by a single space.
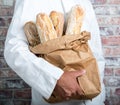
37 72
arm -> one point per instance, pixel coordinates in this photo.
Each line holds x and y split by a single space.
37 72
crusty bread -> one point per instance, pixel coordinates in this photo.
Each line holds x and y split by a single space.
45 27
58 22
75 20
31 33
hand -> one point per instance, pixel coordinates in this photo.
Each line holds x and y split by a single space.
67 85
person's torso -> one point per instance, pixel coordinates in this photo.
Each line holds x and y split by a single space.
29 9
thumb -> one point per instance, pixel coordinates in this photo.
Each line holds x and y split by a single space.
79 73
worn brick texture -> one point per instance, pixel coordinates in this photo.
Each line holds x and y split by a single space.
14 91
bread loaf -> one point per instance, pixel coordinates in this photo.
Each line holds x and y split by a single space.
31 33
58 22
75 20
45 27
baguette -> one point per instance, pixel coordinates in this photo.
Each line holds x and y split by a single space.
45 27
75 20
58 22
31 33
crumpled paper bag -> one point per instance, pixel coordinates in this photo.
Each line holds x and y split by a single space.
72 52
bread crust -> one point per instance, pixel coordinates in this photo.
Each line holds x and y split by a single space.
45 27
31 33
75 20
58 22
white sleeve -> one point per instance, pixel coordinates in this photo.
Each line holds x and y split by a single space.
38 73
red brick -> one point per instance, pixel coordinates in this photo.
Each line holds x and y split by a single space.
105 31
3 32
112 101
23 94
3 63
15 83
2 42
8 73
106 102
111 81
109 30
6 11
112 61
2 21
112 51
5 21
7 2
110 92
22 102
111 40
98 1
107 10
117 72
1 84
1 52
12 74
5 94
8 21
6 102
117 31
108 72
108 20
114 2
117 91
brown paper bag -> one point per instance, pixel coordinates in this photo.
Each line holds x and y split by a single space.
73 51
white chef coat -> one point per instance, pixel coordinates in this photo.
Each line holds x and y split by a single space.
38 73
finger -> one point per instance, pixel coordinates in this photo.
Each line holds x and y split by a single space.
80 92
59 92
79 73
65 94
68 93
68 96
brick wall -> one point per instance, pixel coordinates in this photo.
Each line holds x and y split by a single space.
108 16
14 91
